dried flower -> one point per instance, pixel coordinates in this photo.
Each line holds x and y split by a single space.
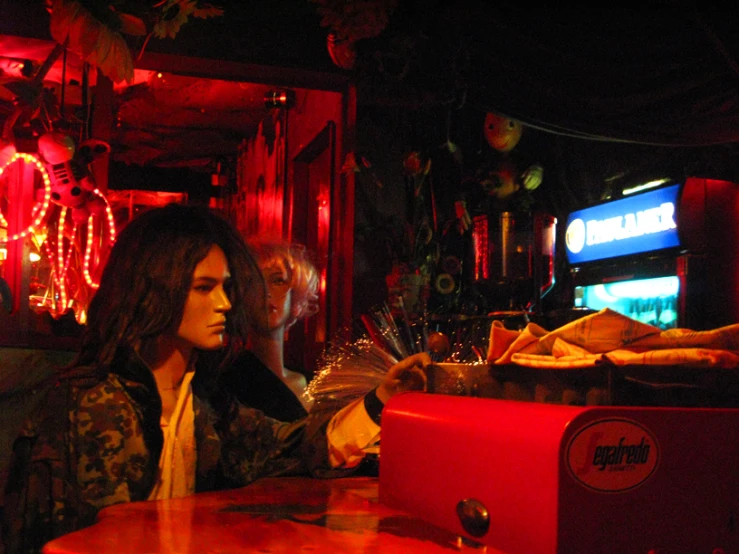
412 164
355 19
444 283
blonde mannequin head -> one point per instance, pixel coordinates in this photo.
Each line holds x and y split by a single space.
292 270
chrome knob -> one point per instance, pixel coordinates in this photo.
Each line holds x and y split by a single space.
474 516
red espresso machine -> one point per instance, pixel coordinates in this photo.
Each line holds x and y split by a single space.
524 477
668 257
535 478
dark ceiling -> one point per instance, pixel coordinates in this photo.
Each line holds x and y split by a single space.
286 33
665 75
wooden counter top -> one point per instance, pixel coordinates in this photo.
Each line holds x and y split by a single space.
273 515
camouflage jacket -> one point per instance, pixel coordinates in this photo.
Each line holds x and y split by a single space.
96 441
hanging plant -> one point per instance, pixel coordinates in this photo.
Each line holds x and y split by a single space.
98 31
173 14
355 20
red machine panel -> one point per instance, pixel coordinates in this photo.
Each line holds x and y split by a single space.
531 478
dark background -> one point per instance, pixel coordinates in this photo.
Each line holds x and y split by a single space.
609 97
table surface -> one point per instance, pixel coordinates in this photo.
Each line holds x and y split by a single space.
291 514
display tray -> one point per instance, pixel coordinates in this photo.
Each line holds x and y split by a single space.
603 385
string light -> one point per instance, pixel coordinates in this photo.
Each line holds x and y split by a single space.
38 213
88 253
49 296
109 214
64 253
90 230
61 273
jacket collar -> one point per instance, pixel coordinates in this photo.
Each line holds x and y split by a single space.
139 383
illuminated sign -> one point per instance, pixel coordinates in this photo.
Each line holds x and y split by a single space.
640 223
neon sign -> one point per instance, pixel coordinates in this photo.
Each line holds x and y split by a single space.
641 223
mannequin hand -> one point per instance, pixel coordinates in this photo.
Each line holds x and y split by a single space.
408 374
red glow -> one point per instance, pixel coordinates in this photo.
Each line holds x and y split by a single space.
324 215
480 241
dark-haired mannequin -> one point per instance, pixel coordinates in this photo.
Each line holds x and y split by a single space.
124 424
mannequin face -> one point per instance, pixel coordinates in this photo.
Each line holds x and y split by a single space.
203 322
279 293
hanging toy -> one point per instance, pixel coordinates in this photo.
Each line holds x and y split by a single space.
502 133
69 187
504 180
501 181
84 225
532 177
71 183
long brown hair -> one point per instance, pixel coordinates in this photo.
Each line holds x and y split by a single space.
148 275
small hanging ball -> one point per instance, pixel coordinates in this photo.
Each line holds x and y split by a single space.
438 344
532 177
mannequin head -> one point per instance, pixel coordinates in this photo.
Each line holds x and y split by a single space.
291 281
148 278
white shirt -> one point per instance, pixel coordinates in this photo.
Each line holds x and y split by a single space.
351 434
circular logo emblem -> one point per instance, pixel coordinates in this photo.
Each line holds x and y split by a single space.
612 455
575 236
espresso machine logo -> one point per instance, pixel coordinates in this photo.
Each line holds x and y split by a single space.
612 455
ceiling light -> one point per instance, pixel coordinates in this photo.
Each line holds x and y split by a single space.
282 98
645 186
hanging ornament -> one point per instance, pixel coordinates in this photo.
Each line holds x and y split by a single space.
502 133
342 51
439 345
532 177
500 182
71 186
